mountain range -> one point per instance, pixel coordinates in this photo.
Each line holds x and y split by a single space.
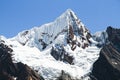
62 50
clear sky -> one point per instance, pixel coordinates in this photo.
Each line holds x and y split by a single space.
19 15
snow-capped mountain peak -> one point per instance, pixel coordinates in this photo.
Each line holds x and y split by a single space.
68 14
63 44
66 29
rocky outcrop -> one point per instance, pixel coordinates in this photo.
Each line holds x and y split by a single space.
107 67
64 76
114 36
78 37
60 54
10 70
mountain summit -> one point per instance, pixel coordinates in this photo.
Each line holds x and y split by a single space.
66 29
64 46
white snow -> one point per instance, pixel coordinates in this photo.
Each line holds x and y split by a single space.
48 67
100 37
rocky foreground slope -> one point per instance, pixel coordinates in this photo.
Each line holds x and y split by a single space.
11 71
107 67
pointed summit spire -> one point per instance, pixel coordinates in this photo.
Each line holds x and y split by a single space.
67 17
70 13
69 10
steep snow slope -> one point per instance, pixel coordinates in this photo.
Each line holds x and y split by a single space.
68 36
49 67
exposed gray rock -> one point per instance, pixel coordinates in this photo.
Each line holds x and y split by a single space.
107 67
64 76
59 53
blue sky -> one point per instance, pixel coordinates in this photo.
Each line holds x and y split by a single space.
19 15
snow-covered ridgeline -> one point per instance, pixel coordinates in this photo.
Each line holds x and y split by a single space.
46 34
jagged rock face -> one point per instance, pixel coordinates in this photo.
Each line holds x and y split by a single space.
114 36
107 67
64 76
5 63
10 70
26 73
78 37
59 53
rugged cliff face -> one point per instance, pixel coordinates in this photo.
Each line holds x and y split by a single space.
107 67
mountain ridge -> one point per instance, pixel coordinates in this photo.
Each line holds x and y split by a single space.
107 67
67 24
